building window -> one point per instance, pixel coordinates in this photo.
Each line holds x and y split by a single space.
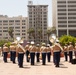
72 32
62 21
71 25
11 20
61 13
71 5
71 9
62 17
71 1
61 2
17 20
71 17
5 30
23 20
17 27
71 21
23 27
61 6
62 32
61 9
17 34
23 34
71 13
17 30
23 30
5 27
62 25
5 20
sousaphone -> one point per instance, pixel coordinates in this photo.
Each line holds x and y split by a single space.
52 38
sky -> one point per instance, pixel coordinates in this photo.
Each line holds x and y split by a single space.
19 7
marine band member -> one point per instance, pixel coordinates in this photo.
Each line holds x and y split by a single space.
5 52
13 52
20 50
70 49
65 48
37 53
48 52
0 50
27 51
56 49
32 53
43 52
75 50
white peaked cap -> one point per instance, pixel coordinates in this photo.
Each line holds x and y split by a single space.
37 44
48 44
32 42
28 42
43 44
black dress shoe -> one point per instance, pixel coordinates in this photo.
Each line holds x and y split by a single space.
20 66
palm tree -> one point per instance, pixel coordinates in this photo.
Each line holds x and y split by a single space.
31 33
48 32
53 30
39 35
10 31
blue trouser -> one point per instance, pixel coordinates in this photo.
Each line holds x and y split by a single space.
27 54
32 57
37 56
13 56
57 58
65 54
5 56
70 56
10 55
20 59
48 56
43 58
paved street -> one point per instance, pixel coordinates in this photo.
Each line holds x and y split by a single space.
66 68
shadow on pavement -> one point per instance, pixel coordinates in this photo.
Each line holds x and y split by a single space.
26 67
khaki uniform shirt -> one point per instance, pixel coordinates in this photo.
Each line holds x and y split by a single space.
12 48
37 49
20 49
65 49
33 49
48 49
43 49
27 47
57 48
70 48
5 49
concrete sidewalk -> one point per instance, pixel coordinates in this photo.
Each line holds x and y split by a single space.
9 68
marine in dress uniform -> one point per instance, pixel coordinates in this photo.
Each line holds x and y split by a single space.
70 49
13 52
43 51
0 50
48 52
75 50
37 53
65 48
32 53
27 51
20 50
56 49
5 52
